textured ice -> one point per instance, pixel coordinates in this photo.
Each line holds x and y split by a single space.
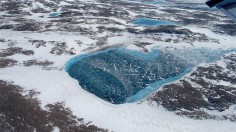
119 75
116 74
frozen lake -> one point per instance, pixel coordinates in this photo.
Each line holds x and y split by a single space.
120 75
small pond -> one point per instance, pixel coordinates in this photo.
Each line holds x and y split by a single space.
55 14
151 22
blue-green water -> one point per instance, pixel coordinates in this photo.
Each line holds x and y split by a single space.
55 14
119 75
154 86
151 22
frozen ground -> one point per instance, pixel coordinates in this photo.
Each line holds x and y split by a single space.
35 48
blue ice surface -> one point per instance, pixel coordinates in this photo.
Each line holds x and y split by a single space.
151 22
213 55
142 55
201 55
116 74
119 75
54 14
151 88
86 55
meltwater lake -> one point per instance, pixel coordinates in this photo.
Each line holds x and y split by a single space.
55 14
120 75
151 22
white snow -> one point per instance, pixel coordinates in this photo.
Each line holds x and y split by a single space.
64 3
57 85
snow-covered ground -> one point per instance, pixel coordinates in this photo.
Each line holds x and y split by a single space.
55 85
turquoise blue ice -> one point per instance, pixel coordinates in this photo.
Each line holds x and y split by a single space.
119 75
